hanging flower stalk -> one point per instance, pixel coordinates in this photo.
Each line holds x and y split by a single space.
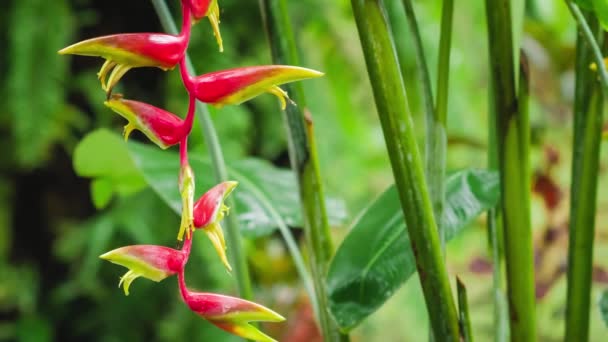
123 52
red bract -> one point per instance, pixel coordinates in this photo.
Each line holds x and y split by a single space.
235 86
148 261
209 210
163 128
132 50
229 313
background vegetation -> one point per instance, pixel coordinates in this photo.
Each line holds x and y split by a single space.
54 222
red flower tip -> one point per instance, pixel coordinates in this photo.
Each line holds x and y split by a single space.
238 85
161 127
229 313
148 261
132 50
209 210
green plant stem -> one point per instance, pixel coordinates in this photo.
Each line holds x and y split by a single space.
396 120
435 113
495 235
423 70
463 310
512 130
304 161
437 143
233 235
590 39
588 107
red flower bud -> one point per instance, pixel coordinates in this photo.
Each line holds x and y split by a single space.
209 210
238 85
132 50
163 128
148 261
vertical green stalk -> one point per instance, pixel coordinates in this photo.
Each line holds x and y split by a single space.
512 130
495 235
436 114
233 235
463 312
588 107
437 142
423 70
304 161
396 120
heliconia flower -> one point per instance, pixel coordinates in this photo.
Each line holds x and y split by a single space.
186 190
163 128
132 50
229 313
148 261
209 210
211 10
238 85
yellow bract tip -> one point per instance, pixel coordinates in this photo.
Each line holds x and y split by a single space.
216 235
214 18
281 94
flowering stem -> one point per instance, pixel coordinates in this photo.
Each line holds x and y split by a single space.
180 275
233 234
396 120
588 108
303 156
183 152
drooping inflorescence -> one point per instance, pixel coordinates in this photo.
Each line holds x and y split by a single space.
123 52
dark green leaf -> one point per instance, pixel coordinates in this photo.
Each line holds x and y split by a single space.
376 258
604 307
255 177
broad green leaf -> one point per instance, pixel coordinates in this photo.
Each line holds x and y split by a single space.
103 155
101 192
376 258
604 307
256 178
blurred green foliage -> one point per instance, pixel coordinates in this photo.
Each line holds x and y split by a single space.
54 287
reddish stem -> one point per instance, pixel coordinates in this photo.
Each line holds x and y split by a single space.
185 34
180 275
187 79
183 151
186 20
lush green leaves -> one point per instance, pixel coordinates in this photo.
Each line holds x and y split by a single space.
256 178
118 168
376 258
